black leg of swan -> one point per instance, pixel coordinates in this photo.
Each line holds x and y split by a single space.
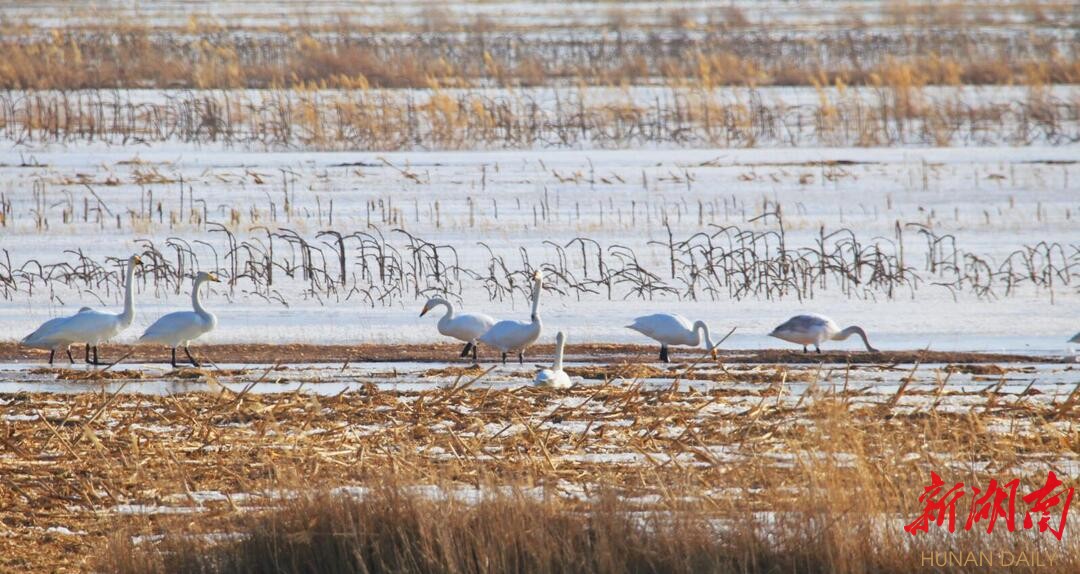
804 349
664 354
504 358
818 349
521 357
70 358
88 353
475 359
190 358
465 351
52 353
96 361
173 361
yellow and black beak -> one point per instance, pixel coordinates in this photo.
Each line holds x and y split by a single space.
137 261
213 278
426 309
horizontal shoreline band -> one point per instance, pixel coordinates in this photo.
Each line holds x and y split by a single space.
268 353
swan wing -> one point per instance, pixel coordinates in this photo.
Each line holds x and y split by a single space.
469 326
46 333
175 329
667 328
51 332
511 335
87 327
810 324
544 377
553 379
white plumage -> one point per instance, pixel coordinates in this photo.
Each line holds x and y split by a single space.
673 329
814 329
554 377
515 336
87 326
465 327
50 336
179 329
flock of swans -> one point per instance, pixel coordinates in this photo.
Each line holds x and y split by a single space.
177 330
92 328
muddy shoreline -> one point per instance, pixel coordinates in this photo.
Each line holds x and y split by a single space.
262 353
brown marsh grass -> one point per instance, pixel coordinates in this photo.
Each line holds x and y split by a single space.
841 508
954 43
604 476
895 109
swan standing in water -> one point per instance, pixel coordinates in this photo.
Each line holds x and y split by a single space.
515 336
464 327
47 337
179 329
673 329
555 377
814 329
89 326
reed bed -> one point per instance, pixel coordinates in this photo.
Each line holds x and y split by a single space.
965 43
757 470
380 268
894 109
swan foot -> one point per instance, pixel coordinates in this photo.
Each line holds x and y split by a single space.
521 357
804 349
70 358
475 358
173 361
465 351
664 354
818 349
96 362
190 358
504 358
52 353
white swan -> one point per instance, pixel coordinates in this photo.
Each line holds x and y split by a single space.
511 336
89 326
814 329
554 377
673 329
1075 339
464 327
179 329
47 336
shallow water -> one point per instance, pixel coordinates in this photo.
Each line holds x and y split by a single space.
1048 380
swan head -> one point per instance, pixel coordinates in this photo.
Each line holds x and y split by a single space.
538 277
427 307
136 261
204 276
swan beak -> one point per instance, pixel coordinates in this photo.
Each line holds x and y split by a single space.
424 312
213 278
137 261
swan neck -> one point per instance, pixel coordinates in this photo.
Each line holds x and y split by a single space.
449 308
129 295
704 330
196 302
536 303
560 343
854 330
